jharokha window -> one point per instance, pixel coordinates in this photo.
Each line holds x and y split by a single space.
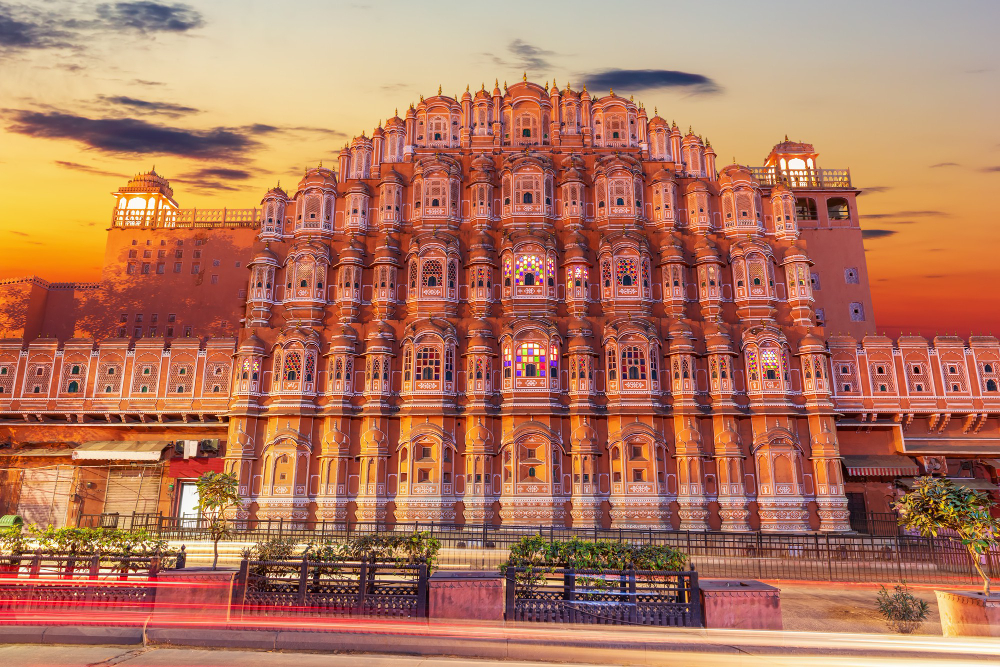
532 365
428 363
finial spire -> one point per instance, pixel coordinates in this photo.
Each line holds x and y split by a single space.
439 89
524 77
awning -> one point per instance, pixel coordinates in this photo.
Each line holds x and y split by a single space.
118 450
885 465
36 452
966 482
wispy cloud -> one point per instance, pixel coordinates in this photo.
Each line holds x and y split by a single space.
69 25
135 136
649 79
147 106
216 179
944 164
524 56
991 169
87 169
147 16
906 214
877 233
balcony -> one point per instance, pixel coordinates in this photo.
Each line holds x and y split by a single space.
813 179
190 218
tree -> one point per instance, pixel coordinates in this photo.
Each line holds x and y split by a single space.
217 493
937 504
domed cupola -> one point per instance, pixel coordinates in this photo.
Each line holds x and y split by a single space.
385 269
261 293
272 222
349 269
314 202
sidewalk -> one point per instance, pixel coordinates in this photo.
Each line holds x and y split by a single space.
497 641
824 606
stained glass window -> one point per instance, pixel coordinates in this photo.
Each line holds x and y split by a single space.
769 363
550 267
293 366
627 271
310 367
753 366
506 362
428 364
530 360
579 276
633 363
606 273
528 264
554 360
507 272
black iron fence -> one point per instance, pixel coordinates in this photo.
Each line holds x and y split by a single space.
606 597
883 555
883 524
78 582
348 588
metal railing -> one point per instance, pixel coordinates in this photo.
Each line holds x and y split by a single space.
347 588
44 581
192 218
803 178
607 597
747 555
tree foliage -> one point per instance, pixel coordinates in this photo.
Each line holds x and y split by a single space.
937 504
218 492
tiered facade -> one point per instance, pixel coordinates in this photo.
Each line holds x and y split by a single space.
534 306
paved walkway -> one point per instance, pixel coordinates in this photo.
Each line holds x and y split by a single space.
841 607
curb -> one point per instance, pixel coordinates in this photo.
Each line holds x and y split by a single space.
495 642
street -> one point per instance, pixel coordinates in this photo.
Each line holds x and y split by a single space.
25 655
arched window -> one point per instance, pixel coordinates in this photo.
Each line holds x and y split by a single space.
432 273
627 270
428 363
991 385
527 198
837 208
633 363
529 269
530 360
293 366
74 387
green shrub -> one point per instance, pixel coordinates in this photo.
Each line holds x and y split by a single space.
902 611
273 549
580 554
537 556
381 547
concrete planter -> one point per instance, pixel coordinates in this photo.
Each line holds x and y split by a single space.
969 614
193 595
474 596
740 604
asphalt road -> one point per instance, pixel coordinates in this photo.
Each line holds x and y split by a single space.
25 655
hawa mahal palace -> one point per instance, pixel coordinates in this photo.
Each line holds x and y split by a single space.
527 306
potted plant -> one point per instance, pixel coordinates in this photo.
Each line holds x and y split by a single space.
937 504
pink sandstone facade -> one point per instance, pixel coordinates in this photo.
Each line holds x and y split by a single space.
527 306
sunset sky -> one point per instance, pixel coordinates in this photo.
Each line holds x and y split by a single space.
229 96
